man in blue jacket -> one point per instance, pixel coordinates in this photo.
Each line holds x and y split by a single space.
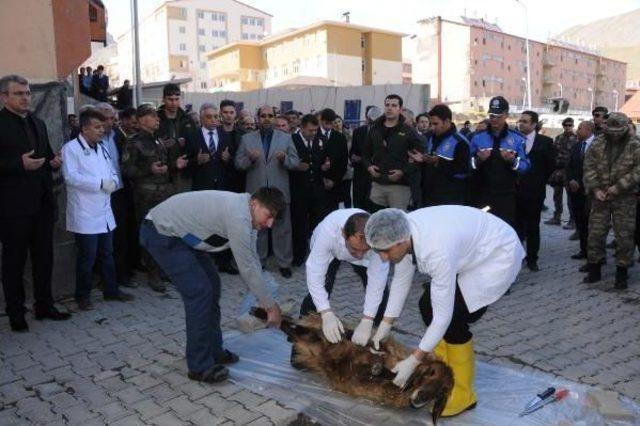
497 158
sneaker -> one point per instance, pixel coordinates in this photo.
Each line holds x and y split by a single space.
84 304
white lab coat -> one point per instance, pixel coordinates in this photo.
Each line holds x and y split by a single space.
327 243
483 251
88 206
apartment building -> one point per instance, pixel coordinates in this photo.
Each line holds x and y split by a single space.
466 63
325 53
175 38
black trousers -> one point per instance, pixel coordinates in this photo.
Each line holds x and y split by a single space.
528 211
458 331
22 236
579 204
308 306
307 211
361 188
502 205
125 236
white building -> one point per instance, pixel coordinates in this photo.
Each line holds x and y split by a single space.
175 37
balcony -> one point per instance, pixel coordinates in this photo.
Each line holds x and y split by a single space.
548 61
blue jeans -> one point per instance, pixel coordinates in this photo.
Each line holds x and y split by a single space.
92 247
195 276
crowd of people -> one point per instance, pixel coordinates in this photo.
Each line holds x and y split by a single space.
307 185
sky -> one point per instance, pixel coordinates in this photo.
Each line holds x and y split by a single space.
545 17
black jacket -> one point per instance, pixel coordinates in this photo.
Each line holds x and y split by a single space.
542 157
357 147
175 128
575 165
390 152
214 174
337 151
23 192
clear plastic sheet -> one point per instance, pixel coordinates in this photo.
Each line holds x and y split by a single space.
264 368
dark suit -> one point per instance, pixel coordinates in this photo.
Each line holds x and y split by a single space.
214 174
27 209
310 201
361 177
578 200
337 151
531 189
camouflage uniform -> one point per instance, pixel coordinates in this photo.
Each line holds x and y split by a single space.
563 144
150 189
607 164
177 129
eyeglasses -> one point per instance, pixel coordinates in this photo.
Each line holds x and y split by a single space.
19 93
266 116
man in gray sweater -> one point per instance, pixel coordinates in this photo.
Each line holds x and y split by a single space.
180 232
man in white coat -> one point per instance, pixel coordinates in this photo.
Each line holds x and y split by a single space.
340 237
90 180
472 257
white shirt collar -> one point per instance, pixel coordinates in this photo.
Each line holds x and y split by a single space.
588 141
530 140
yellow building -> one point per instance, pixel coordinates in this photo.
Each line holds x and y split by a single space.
325 53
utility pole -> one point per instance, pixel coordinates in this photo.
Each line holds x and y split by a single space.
137 88
526 23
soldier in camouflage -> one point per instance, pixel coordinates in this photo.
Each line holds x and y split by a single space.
563 144
599 115
611 177
175 124
152 166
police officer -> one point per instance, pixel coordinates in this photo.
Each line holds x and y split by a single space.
497 158
611 176
446 164
562 144
152 165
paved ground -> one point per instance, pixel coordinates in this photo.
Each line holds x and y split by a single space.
122 363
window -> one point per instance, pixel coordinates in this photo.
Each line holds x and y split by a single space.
296 67
222 17
203 84
245 20
362 42
252 21
252 36
215 33
223 33
245 36
200 14
214 16
484 41
183 47
203 65
183 64
183 12
182 29
260 37
363 66
201 48
201 31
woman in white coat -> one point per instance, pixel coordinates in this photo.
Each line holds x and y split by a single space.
472 257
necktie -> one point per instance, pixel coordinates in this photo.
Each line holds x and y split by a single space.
212 143
582 148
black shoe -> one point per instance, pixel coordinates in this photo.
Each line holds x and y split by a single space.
18 323
298 262
533 266
594 273
569 225
579 255
584 268
228 269
84 304
544 208
613 244
215 374
128 283
156 283
285 272
119 297
621 278
50 312
552 221
227 357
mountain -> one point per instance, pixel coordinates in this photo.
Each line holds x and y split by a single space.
617 37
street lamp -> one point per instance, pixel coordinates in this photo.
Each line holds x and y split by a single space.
526 23
524 92
560 84
589 89
615 93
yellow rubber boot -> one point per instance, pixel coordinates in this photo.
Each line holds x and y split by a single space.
462 361
440 351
